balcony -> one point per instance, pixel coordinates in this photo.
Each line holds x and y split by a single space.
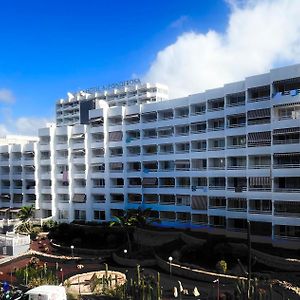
182 112
198 109
287 209
286 160
216 125
166 114
235 99
149 117
215 104
259 94
287 184
167 200
165 132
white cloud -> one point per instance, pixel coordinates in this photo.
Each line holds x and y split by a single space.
29 126
260 34
179 22
6 96
21 126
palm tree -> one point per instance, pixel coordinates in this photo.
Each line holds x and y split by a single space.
143 216
25 215
126 222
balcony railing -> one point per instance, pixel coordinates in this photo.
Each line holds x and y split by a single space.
284 142
259 99
259 211
259 166
287 190
286 166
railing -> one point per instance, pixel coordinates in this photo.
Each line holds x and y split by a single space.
196 113
260 212
262 189
197 131
237 209
198 150
215 108
287 214
287 237
165 202
216 148
217 207
216 168
258 99
180 186
182 133
240 103
236 167
237 189
286 166
289 141
166 185
214 187
215 128
165 152
182 169
287 190
236 125
259 166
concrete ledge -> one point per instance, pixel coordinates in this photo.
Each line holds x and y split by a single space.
196 274
103 253
128 262
154 238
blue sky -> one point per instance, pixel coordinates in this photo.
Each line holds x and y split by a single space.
52 47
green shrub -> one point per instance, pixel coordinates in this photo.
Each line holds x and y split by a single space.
49 225
221 266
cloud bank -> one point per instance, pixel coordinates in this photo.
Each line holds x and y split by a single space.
260 34
21 126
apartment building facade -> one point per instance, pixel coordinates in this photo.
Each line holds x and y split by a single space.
209 161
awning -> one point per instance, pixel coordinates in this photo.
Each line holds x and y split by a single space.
259 136
286 130
29 152
132 116
5 196
260 181
78 151
14 210
182 162
286 154
259 113
79 198
287 104
97 119
116 165
199 202
77 136
164 128
149 181
17 197
30 166
4 209
115 136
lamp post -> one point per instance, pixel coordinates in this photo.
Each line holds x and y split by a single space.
125 252
170 262
62 275
72 250
218 288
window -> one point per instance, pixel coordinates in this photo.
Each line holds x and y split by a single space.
99 215
79 214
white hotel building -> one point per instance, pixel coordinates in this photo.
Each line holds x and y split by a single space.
209 161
